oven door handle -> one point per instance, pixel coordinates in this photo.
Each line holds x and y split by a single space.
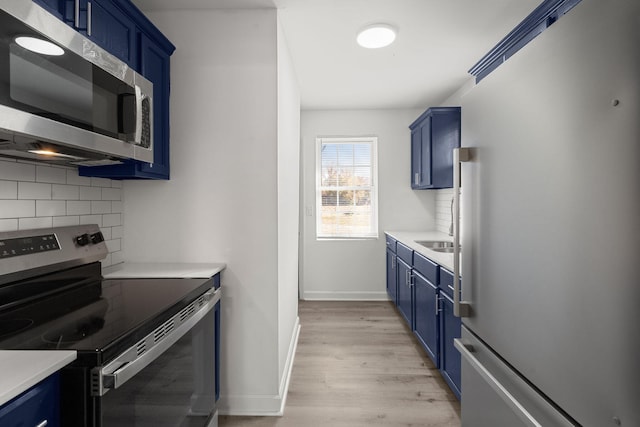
123 368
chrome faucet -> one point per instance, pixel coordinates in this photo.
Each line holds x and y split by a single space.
451 226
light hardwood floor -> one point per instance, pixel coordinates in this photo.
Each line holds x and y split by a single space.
358 364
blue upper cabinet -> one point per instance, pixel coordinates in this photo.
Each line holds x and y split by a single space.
112 29
121 29
434 135
101 21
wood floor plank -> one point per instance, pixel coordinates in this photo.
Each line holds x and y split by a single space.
358 364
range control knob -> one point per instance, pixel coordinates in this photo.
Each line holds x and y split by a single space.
82 240
97 237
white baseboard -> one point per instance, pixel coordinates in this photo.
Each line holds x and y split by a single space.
264 405
345 296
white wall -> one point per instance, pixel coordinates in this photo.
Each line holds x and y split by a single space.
222 202
36 195
340 269
288 205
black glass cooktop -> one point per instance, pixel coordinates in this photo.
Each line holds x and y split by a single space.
98 318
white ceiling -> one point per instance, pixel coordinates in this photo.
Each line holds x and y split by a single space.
438 41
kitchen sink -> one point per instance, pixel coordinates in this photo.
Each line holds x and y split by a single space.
437 245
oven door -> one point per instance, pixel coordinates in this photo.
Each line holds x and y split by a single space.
177 388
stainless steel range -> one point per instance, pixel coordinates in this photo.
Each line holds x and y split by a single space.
146 347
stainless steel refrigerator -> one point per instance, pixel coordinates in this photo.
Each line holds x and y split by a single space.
550 228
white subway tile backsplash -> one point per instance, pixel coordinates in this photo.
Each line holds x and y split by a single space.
64 221
117 257
90 193
111 220
100 207
443 209
9 224
91 219
78 207
100 182
17 208
12 170
8 190
113 245
51 174
33 195
51 207
117 232
106 262
111 194
28 223
65 192
106 233
74 179
34 190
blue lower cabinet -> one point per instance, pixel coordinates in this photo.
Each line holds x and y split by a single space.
405 291
450 328
38 406
424 297
426 316
392 276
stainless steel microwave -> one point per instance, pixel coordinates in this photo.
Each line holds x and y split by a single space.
65 100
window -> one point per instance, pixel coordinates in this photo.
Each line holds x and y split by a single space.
346 188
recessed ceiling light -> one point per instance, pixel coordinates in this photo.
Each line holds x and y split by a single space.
37 45
376 35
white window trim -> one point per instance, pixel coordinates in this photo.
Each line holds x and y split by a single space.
373 140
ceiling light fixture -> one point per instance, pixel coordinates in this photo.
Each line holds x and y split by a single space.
376 36
41 46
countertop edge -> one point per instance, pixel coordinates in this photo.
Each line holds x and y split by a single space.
28 368
409 238
151 270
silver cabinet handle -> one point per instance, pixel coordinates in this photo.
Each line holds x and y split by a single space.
393 262
43 423
89 18
523 414
460 308
416 178
76 14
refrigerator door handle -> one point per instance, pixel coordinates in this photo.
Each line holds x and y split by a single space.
466 350
460 308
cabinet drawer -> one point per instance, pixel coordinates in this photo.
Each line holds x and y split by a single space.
37 406
426 267
391 243
405 253
446 282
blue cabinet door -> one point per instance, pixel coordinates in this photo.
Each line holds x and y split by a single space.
416 141
392 276
434 135
450 328
426 315
405 291
425 154
445 136
55 7
113 30
38 406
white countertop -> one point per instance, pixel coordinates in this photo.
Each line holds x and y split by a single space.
22 369
409 239
165 270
